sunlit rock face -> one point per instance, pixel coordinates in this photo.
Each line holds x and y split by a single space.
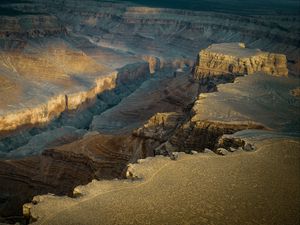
43 80
60 49
239 106
235 59
227 118
162 31
89 86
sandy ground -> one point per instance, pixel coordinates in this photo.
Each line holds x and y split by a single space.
261 187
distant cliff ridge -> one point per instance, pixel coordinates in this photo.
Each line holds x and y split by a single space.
236 59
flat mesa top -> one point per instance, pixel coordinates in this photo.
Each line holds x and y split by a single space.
233 49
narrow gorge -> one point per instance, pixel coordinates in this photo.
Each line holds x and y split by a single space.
89 90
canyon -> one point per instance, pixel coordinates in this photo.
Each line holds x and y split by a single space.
89 91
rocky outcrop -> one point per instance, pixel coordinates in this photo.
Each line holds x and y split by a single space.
232 59
160 126
223 190
238 106
196 136
44 113
162 93
234 107
165 32
296 92
58 170
30 26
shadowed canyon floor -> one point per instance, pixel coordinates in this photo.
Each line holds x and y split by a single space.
87 88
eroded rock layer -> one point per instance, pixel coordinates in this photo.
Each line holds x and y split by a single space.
88 87
235 107
230 59
99 156
220 189
103 36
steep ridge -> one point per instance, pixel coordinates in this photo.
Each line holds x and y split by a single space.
236 59
164 31
78 109
167 30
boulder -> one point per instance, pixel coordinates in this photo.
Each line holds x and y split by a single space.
222 151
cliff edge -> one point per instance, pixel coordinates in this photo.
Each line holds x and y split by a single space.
192 190
230 59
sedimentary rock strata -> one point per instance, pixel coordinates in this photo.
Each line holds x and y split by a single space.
25 26
163 93
217 188
88 87
58 170
231 59
94 155
235 107
99 33
239 106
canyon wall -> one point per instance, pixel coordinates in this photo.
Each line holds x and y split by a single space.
88 87
165 31
44 113
26 26
162 35
205 124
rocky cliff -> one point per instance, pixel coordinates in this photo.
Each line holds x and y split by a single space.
241 188
100 33
195 129
30 26
58 170
161 31
44 113
89 155
232 59
89 86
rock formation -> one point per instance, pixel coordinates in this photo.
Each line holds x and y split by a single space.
246 188
200 128
162 93
239 106
52 170
231 59
69 36
26 26
88 87
296 92
58 170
